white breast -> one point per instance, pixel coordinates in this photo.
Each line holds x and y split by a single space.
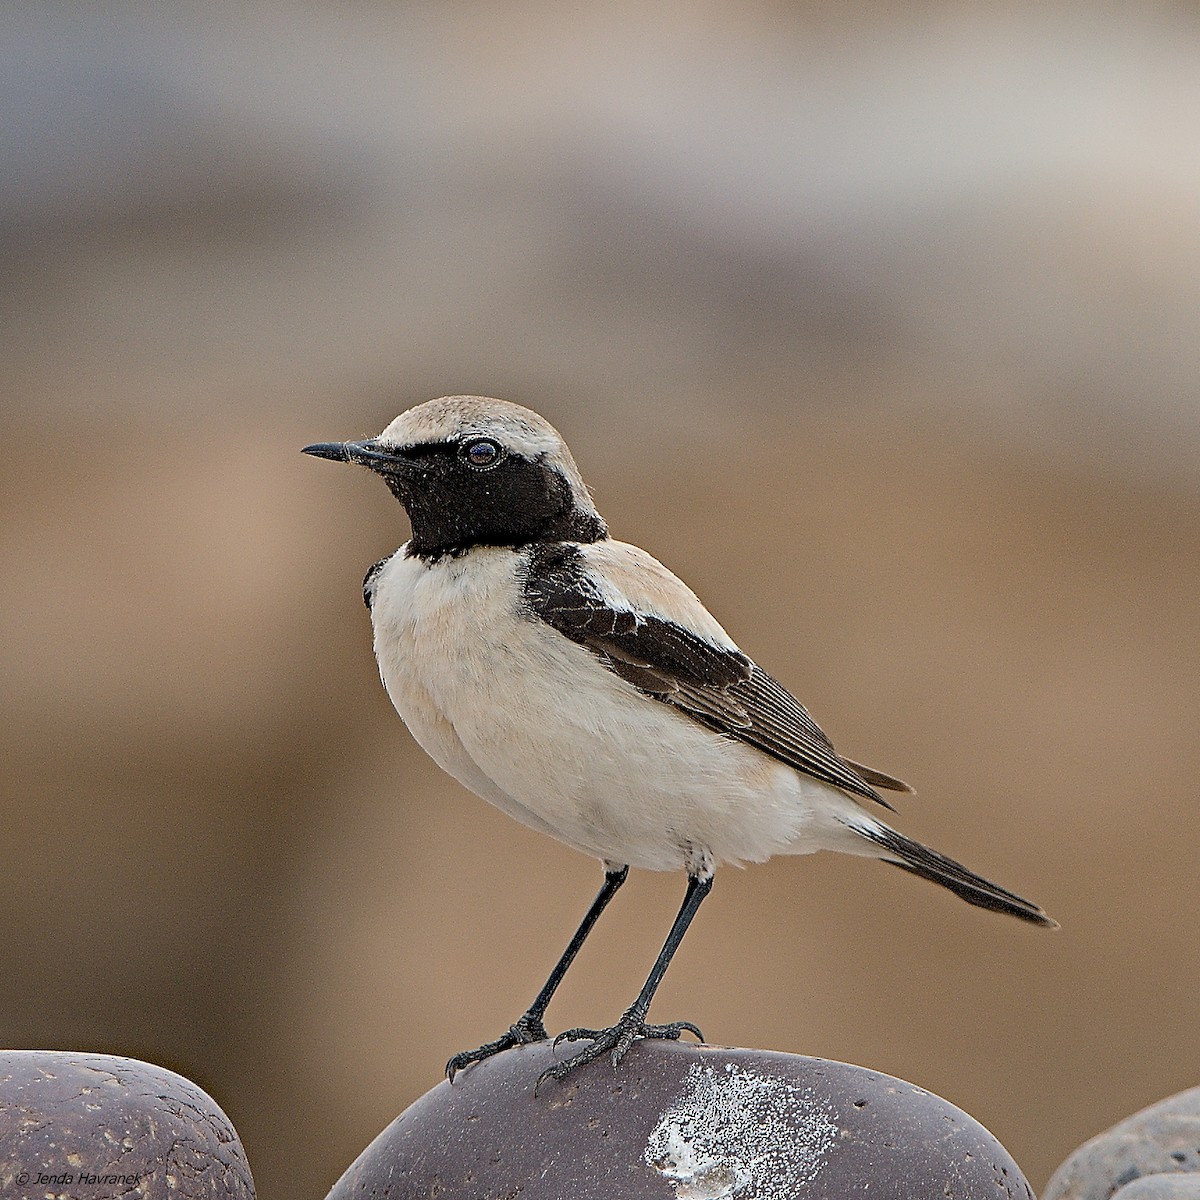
535 724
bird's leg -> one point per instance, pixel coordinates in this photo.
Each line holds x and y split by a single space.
632 1025
530 1028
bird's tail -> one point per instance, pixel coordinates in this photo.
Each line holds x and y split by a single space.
920 860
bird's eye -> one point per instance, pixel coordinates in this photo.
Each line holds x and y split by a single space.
480 452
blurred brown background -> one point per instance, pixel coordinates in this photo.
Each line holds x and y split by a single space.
878 323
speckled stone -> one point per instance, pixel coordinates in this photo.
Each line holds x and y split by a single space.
1162 1187
1162 1140
97 1127
676 1120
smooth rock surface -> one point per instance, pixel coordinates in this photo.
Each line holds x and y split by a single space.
676 1120
1163 1139
1162 1187
96 1126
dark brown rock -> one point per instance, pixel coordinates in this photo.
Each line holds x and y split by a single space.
1163 1139
675 1120
96 1127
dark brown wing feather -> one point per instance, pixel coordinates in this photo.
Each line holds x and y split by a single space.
772 719
718 686
879 779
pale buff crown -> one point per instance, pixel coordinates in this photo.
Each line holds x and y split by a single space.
519 429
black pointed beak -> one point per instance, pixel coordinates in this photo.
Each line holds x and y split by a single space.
335 451
365 454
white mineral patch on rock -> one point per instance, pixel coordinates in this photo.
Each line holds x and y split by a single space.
732 1133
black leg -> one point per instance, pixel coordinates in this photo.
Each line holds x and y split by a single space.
530 1028
632 1024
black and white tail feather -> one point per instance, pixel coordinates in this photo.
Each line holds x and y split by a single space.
927 863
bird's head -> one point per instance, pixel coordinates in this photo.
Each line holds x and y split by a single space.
472 471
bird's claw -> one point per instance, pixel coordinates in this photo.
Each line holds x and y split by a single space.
615 1040
527 1030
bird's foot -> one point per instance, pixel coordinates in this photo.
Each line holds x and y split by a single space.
527 1030
615 1041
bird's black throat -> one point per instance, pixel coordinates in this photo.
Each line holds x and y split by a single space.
520 501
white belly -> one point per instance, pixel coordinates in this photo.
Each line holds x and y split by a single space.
533 723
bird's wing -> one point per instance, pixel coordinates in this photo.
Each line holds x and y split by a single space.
648 627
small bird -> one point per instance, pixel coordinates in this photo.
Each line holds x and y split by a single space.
582 688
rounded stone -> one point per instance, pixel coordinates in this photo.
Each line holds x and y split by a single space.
1162 1140
1162 1187
675 1120
100 1126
